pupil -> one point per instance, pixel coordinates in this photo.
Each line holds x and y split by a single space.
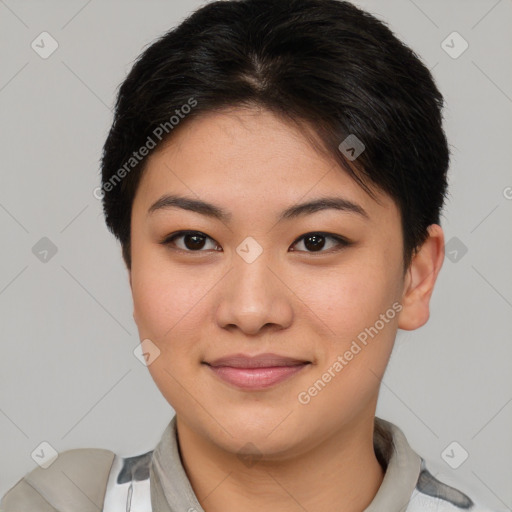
318 242
197 241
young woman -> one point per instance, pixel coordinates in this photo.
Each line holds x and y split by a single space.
275 174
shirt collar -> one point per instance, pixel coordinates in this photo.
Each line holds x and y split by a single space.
171 490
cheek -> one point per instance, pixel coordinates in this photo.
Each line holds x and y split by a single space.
166 310
349 298
169 299
159 303
150 300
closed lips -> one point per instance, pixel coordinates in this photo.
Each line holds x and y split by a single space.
261 361
256 373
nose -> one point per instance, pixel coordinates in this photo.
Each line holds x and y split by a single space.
253 297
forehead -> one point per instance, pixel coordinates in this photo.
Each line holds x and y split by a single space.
246 156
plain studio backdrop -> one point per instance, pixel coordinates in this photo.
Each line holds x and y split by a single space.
68 374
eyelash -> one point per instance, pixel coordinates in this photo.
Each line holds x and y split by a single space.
342 242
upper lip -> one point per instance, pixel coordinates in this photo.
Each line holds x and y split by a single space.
259 361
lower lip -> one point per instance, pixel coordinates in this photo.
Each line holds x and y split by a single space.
256 378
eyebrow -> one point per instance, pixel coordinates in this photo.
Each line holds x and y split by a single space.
168 201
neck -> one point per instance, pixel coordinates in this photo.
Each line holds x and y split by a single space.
340 474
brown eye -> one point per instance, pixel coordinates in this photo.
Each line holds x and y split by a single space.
315 242
193 241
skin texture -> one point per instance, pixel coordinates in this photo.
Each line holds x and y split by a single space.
203 304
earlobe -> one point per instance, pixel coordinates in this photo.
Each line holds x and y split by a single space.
420 280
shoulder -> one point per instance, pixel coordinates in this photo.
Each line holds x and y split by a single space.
75 481
433 495
411 479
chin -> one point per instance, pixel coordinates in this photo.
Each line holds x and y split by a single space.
260 445
271 434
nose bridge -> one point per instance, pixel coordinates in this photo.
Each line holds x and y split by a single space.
253 278
253 296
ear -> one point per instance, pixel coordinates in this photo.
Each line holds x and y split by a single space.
131 288
420 280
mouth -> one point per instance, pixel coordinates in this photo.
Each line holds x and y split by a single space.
256 372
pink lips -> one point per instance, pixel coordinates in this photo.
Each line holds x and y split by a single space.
256 372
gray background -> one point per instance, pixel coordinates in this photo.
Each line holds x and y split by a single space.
68 375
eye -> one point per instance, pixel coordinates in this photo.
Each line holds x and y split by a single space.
193 241
315 242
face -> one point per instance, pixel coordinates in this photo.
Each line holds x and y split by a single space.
319 287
